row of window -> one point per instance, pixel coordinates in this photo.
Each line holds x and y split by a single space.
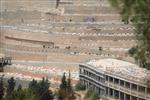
122 96
96 77
127 84
110 92
116 81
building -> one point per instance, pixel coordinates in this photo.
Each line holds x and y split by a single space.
116 79
4 61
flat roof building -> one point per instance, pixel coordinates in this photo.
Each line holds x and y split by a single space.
116 79
4 61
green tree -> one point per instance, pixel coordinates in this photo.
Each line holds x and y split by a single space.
47 95
19 87
63 88
92 95
41 89
18 94
70 91
33 85
63 84
132 51
95 96
137 12
1 88
80 86
35 91
11 85
10 88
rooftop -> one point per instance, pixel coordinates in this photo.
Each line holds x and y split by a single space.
121 68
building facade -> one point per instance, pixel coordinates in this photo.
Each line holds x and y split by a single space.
4 61
112 83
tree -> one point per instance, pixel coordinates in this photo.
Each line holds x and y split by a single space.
18 94
1 88
80 86
70 91
33 85
35 91
63 87
66 91
95 96
11 85
63 84
10 88
19 87
48 95
92 95
41 89
69 85
132 51
137 12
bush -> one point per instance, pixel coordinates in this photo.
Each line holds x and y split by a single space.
92 95
80 86
132 51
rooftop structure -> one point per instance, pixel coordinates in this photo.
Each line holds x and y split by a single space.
4 61
117 79
121 68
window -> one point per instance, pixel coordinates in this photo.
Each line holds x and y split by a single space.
106 78
148 90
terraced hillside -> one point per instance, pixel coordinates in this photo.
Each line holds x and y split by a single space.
38 33
82 25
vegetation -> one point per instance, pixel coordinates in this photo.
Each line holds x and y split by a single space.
80 86
41 89
1 88
21 94
137 12
10 88
36 91
65 91
92 95
148 83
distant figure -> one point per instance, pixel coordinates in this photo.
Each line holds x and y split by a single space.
57 3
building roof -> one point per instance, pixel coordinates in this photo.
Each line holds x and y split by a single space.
121 68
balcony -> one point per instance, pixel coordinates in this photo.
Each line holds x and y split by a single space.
128 91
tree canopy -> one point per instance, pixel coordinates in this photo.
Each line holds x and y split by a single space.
36 90
137 12
91 95
41 89
65 91
1 88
